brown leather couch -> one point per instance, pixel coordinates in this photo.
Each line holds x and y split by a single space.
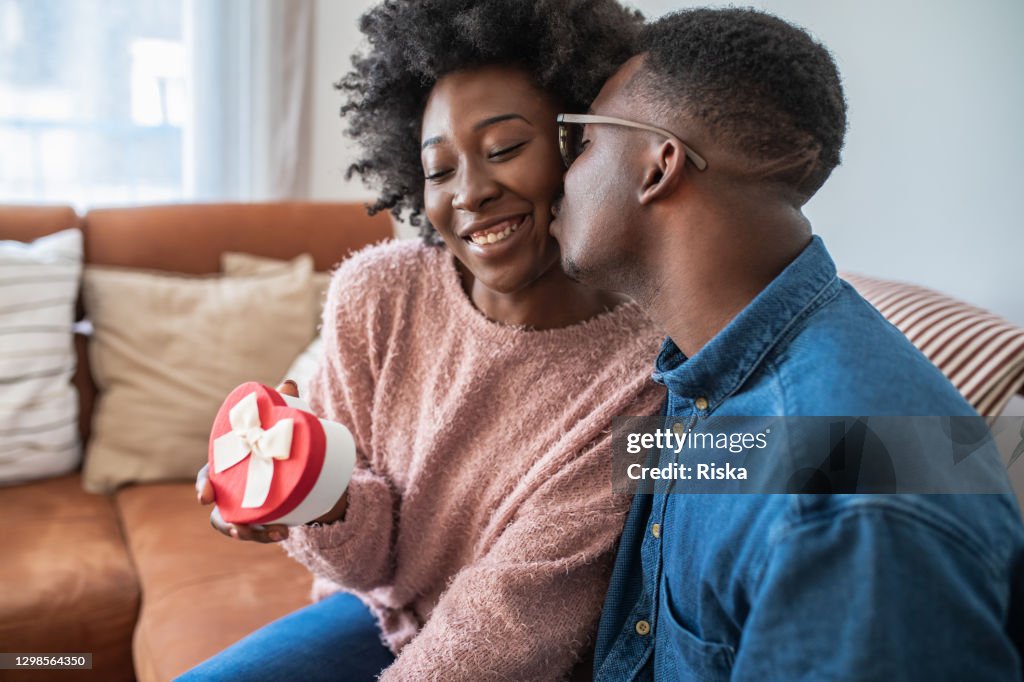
139 579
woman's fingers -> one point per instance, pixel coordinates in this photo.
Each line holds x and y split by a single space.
289 387
251 533
204 491
259 533
218 522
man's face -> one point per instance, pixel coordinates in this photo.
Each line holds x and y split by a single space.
595 223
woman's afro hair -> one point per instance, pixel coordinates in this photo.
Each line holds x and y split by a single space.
569 47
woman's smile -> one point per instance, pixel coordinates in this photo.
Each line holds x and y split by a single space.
499 237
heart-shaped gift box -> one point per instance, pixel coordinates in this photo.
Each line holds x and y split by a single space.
272 461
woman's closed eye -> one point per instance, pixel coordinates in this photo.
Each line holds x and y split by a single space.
500 153
437 175
504 152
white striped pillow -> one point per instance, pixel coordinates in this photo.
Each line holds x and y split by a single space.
38 403
982 354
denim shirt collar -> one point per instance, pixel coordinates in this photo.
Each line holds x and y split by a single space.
727 360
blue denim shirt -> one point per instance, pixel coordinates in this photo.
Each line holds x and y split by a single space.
812 587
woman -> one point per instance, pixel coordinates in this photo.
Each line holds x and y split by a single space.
478 380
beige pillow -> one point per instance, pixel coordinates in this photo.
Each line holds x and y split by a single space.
165 352
302 368
235 264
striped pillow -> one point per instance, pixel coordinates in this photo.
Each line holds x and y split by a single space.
38 403
982 354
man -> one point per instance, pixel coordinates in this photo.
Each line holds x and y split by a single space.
696 214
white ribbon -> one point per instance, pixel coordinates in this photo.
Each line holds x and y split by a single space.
247 437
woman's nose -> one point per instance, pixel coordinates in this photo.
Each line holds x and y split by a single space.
475 187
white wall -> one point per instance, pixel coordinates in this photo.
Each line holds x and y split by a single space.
931 185
337 36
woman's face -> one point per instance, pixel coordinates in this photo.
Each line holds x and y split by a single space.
492 168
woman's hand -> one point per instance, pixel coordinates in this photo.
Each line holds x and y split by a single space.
239 531
258 533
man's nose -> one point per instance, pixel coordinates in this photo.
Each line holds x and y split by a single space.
556 204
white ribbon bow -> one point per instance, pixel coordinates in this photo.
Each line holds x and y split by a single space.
248 437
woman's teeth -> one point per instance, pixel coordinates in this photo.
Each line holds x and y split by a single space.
495 237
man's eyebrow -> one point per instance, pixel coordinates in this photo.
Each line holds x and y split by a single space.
479 125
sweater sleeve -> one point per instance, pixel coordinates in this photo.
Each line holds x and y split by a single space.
528 607
355 553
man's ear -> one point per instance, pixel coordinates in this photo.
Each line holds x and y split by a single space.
663 171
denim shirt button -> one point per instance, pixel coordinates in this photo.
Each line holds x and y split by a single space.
656 530
701 403
643 627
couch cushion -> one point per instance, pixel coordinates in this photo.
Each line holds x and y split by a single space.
167 350
68 583
203 591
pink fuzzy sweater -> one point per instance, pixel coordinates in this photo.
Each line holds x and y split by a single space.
481 525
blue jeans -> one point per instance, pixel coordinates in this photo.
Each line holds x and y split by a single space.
335 636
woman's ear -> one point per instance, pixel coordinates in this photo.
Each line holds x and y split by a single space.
663 172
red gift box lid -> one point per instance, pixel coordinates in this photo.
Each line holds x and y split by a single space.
293 477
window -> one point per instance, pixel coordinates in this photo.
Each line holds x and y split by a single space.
94 103
146 101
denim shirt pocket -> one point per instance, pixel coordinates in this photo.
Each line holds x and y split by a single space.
681 655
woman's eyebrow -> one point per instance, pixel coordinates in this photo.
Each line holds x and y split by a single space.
479 125
498 119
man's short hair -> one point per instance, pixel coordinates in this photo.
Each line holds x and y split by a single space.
761 86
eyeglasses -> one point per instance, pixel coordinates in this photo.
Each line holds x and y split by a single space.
570 136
